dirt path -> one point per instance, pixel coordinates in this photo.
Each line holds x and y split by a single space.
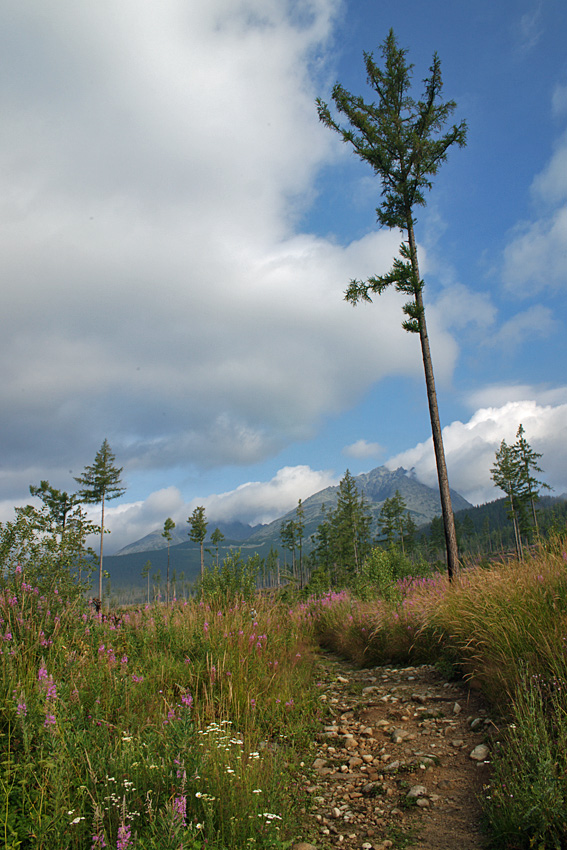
393 766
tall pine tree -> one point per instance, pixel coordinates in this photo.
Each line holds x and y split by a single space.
349 525
401 139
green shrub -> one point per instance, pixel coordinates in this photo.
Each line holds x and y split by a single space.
235 581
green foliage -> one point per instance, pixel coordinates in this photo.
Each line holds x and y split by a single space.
526 806
58 502
216 539
396 135
198 525
382 571
101 481
235 581
394 518
512 472
51 557
198 531
349 527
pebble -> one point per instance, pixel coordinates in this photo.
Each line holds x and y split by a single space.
480 753
366 760
417 791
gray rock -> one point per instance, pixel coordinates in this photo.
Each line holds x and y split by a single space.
480 753
417 791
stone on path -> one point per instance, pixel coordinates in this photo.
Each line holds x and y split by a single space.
480 753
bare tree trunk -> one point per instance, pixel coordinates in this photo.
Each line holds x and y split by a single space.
444 491
100 560
167 591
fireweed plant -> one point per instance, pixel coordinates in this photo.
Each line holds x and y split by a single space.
159 727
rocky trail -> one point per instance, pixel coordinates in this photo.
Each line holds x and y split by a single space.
400 762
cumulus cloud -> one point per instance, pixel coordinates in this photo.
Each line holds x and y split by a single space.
153 167
252 503
470 446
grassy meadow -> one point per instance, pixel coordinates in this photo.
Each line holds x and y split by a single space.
183 727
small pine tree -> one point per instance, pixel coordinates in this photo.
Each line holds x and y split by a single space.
528 485
392 517
505 474
198 531
349 525
216 539
100 483
168 527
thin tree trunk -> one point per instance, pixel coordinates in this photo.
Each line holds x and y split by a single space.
100 560
168 585
444 491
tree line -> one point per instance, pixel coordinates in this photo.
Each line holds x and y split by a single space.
51 539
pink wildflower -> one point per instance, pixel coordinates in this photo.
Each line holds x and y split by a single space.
124 836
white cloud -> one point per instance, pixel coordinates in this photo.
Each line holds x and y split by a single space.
529 29
536 322
536 257
363 449
252 503
497 395
459 306
470 446
153 167
550 186
559 101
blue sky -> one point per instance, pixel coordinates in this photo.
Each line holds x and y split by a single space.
178 230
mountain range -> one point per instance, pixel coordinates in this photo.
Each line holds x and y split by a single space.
379 484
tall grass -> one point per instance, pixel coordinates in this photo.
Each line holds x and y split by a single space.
159 727
504 629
